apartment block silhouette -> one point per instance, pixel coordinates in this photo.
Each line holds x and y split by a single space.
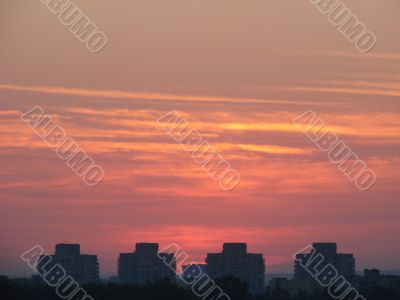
343 262
146 265
82 267
236 261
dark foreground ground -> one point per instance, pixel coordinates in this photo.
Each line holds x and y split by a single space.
10 290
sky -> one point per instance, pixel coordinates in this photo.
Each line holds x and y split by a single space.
239 72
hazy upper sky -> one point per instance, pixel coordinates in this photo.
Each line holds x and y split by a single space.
239 72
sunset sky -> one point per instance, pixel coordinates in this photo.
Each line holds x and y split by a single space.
239 72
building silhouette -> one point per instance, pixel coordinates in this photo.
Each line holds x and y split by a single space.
371 273
146 265
344 263
235 261
293 287
303 281
374 278
82 268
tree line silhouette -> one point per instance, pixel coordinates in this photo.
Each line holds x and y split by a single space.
164 290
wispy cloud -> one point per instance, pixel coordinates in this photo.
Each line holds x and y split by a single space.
369 55
337 90
118 94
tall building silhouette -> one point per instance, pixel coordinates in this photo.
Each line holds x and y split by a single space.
81 267
146 265
235 261
303 281
343 262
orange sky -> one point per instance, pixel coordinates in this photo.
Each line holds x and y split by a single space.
239 72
